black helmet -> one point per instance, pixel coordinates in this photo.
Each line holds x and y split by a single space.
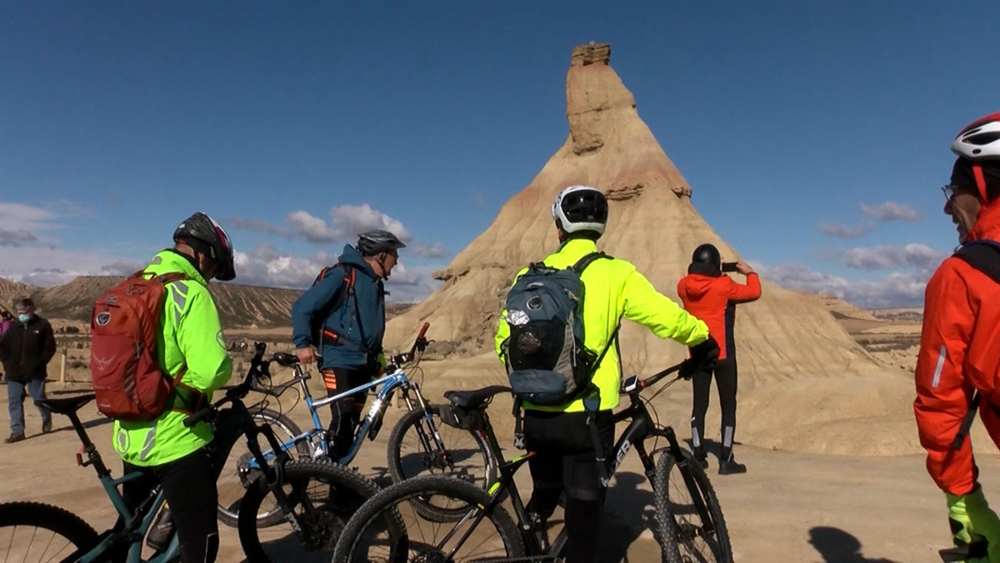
581 208
706 254
371 243
217 244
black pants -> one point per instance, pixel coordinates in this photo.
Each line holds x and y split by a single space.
346 411
565 459
190 492
725 378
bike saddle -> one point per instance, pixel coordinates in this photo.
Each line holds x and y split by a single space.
475 398
284 359
67 405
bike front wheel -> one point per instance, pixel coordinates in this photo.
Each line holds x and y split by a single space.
422 444
688 514
320 497
31 531
373 533
239 470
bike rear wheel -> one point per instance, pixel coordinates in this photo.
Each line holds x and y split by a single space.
31 531
237 473
684 534
322 497
464 454
373 533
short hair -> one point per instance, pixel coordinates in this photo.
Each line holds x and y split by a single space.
24 303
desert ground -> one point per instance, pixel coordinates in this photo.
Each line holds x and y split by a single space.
789 507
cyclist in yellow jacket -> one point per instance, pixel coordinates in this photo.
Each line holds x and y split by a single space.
565 453
164 450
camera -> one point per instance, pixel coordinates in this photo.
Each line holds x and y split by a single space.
729 266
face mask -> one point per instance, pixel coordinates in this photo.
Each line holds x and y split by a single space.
24 317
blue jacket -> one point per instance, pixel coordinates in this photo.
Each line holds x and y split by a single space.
362 313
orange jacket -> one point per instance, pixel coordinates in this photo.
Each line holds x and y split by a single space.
959 352
713 299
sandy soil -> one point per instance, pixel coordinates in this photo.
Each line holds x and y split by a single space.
789 507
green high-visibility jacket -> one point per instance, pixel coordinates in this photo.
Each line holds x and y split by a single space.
614 289
190 336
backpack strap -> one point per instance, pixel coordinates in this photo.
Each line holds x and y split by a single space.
518 413
587 260
983 255
336 303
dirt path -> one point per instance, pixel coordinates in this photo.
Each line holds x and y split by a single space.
789 507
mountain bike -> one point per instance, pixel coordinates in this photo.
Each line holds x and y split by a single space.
486 531
419 442
31 531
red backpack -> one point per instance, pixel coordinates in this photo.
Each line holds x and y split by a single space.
129 382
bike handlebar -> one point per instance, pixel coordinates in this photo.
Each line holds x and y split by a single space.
259 369
634 385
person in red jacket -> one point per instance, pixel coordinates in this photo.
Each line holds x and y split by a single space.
711 296
960 343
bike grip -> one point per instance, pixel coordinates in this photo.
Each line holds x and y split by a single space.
197 417
423 330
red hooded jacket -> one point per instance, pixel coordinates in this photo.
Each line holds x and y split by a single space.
713 299
959 352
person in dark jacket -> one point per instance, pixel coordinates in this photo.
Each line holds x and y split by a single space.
340 321
25 351
712 296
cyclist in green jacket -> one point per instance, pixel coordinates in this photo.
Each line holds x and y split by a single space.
191 339
565 454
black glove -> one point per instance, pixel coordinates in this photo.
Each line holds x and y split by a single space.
703 357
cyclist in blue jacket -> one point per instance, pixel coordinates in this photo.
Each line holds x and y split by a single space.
339 323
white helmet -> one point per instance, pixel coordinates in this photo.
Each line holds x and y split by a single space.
581 208
980 140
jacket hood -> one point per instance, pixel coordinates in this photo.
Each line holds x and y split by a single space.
170 260
695 286
353 257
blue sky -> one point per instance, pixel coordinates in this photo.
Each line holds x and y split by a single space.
815 137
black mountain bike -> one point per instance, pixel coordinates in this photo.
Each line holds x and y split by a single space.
690 525
316 498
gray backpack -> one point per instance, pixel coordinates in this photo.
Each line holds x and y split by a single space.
547 363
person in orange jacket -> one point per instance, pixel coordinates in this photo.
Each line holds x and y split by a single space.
958 365
711 296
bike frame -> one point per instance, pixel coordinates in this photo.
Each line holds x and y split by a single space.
369 426
134 525
640 429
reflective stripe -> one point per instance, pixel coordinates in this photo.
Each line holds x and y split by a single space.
695 439
156 260
150 441
727 437
179 295
942 355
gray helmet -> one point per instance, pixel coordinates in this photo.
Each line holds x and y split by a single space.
217 244
371 243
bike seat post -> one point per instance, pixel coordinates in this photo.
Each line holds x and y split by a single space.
93 456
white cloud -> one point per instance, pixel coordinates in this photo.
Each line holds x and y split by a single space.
892 211
845 232
436 250
346 222
312 229
914 255
46 266
351 220
15 238
268 266
258 225
897 289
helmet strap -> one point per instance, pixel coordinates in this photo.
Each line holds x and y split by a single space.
977 171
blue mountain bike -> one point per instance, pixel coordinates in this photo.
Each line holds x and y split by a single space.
421 442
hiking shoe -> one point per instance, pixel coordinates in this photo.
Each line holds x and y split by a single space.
46 427
731 467
14 438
